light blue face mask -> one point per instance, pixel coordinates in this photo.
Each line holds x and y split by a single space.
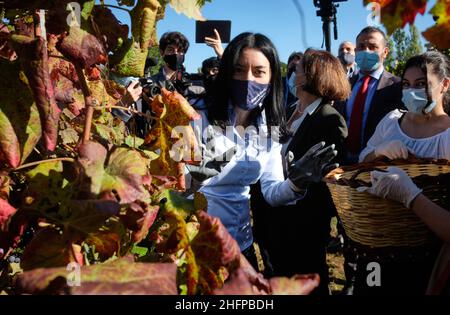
292 84
368 61
416 101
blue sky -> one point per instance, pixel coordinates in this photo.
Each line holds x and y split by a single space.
277 19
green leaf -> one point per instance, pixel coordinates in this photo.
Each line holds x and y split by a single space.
20 126
134 142
139 251
47 186
173 201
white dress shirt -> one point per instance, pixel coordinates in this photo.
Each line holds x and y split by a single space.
258 157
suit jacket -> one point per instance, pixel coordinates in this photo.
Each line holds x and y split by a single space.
387 97
295 237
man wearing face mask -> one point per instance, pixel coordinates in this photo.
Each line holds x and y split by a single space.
346 55
173 47
375 92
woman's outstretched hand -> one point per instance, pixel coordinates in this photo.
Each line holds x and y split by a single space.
312 166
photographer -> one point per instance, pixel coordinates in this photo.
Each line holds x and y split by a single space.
172 75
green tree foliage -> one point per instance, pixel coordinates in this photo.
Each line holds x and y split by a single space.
402 46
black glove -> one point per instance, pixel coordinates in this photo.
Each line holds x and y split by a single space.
312 166
210 165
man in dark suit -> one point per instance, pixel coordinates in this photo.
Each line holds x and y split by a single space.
375 92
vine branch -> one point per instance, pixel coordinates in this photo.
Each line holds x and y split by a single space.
42 162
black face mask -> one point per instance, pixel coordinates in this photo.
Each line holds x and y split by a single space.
174 62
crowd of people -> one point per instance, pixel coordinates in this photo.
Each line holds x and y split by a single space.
281 135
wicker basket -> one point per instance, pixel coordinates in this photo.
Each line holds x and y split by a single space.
376 222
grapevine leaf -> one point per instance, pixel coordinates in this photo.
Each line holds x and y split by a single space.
109 26
4 185
173 135
139 218
190 8
214 249
6 50
19 118
34 60
47 187
438 34
176 203
297 285
6 212
49 248
130 59
396 14
81 48
134 142
123 173
118 277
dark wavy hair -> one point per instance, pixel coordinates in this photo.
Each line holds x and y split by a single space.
273 104
439 66
174 38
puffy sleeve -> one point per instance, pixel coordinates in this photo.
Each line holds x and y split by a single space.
380 134
275 189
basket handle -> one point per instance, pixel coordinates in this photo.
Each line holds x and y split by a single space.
354 182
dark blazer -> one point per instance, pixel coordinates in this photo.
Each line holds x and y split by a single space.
387 97
295 237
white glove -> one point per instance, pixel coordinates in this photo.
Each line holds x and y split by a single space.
394 149
394 184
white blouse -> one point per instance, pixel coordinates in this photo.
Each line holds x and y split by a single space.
437 146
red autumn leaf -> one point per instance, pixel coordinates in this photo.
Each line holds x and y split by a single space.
6 212
139 217
396 14
82 48
214 249
121 276
173 135
34 60
438 35
246 281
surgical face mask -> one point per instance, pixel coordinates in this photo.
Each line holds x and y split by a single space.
248 94
293 84
174 61
368 61
347 59
416 101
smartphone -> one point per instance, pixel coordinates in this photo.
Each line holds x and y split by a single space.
206 29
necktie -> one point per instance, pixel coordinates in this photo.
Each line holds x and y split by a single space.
354 130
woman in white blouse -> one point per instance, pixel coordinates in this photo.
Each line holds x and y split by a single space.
424 130
247 116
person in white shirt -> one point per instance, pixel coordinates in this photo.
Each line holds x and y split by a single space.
245 120
424 130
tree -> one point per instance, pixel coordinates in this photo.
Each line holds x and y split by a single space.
402 46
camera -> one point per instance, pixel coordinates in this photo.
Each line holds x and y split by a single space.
149 87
